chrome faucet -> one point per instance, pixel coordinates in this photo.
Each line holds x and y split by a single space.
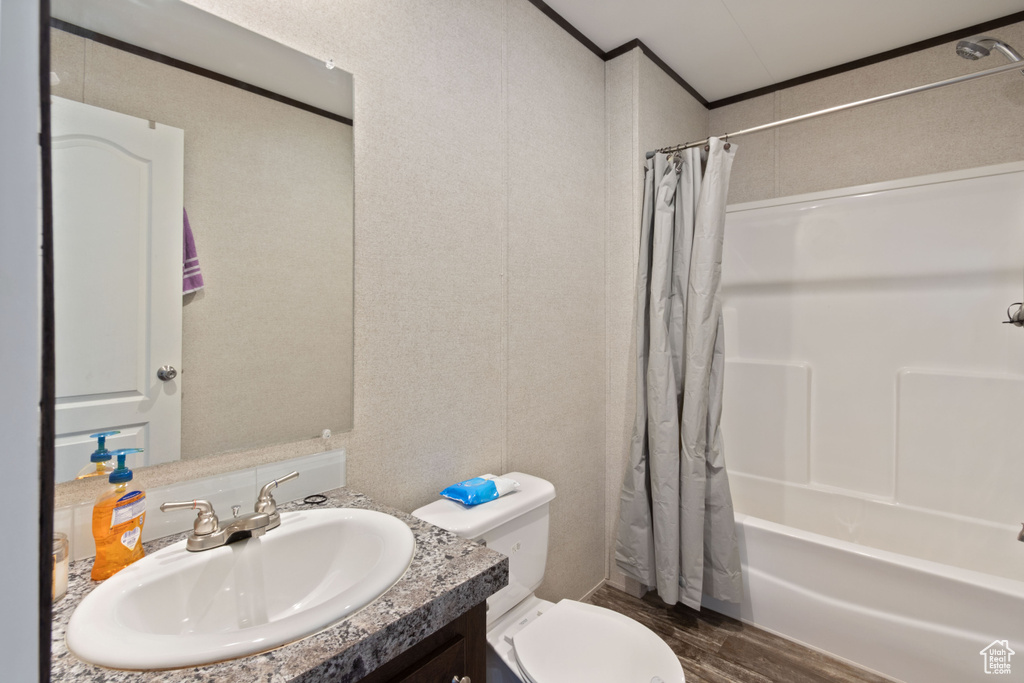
207 531
265 502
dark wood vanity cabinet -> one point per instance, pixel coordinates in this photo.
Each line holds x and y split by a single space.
457 651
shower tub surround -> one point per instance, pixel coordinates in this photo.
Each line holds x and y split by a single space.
910 619
447 577
871 393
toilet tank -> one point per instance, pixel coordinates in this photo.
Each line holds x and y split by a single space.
515 525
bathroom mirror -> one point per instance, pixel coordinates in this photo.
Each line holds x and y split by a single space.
265 175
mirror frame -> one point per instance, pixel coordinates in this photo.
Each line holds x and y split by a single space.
48 390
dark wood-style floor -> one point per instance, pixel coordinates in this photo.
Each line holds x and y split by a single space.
716 649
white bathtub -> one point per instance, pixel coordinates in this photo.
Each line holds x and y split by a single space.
910 619
872 399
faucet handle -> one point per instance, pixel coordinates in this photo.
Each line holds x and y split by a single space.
265 501
206 521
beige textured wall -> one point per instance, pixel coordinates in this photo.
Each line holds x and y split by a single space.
623 182
962 126
644 110
479 263
556 252
268 189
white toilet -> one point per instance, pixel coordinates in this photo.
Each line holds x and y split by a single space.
535 641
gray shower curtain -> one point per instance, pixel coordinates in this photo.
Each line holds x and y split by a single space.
676 529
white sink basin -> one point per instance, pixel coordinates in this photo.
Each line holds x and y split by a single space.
176 608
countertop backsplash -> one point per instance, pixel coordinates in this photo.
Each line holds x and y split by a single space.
317 473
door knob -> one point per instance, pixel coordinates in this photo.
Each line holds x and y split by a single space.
167 373
464 679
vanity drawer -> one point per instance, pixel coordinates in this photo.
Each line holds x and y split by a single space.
441 666
456 651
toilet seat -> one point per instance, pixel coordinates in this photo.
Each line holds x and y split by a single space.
573 641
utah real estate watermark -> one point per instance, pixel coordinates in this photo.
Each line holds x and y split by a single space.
997 657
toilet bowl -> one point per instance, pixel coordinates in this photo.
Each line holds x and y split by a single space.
530 640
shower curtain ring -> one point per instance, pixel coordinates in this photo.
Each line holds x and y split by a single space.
728 145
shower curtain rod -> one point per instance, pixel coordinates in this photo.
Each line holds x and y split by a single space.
843 107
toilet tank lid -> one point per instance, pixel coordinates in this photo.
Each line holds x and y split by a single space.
473 522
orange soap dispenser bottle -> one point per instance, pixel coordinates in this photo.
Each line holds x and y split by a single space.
117 520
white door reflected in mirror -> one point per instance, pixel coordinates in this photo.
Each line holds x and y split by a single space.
117 214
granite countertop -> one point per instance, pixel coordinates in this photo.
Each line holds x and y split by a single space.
448 575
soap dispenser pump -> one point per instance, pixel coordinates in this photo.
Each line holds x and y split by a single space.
117 520
99 461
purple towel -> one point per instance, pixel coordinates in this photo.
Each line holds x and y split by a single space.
192 276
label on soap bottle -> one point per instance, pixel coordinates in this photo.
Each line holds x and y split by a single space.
128 508
131 537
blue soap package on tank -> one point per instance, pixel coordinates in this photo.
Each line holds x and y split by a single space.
480 489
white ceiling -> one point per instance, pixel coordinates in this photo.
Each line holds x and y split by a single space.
726 47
